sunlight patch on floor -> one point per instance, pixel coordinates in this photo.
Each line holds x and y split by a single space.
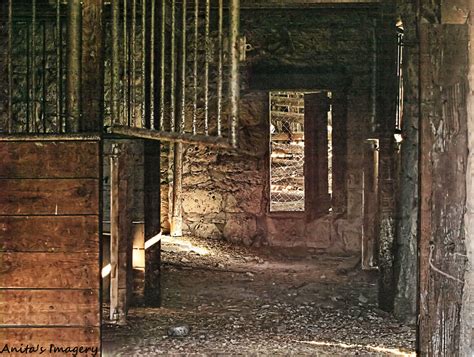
393 351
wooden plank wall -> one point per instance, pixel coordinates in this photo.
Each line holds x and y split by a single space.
49 244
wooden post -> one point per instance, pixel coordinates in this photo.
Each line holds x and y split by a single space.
443 170
386 101
152 206
120 236
339 158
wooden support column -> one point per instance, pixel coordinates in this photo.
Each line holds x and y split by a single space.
467 310
152 206
120 236
339 158
443 259
406 260
386 101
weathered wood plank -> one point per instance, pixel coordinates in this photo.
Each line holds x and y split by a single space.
49 270
51 233
49 197
49 159
58 336
49 307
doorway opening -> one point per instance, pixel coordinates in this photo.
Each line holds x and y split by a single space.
289 150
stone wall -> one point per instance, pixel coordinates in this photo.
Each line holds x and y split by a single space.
226 194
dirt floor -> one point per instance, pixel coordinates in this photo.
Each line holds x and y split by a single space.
267 302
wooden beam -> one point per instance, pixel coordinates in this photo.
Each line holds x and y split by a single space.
185 138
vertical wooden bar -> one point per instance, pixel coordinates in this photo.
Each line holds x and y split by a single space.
115 80
153 117
206 66
144 122
163 66
182 116
34 124
73 83
195 65
220 66
43 78
173 68
126 75
133 64
92 64
59 74
234 92
10 66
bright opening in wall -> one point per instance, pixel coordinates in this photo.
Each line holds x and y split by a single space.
287 150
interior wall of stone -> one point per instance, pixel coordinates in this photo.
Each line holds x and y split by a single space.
226 194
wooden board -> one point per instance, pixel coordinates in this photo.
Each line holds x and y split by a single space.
44 337
48 160
49 270
51 233
49 307
49 197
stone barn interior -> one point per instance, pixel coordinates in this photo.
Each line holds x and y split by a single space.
237 177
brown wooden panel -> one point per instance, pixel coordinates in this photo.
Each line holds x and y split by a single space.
48 196
49 159
49 233
50 307
49 270
44 337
